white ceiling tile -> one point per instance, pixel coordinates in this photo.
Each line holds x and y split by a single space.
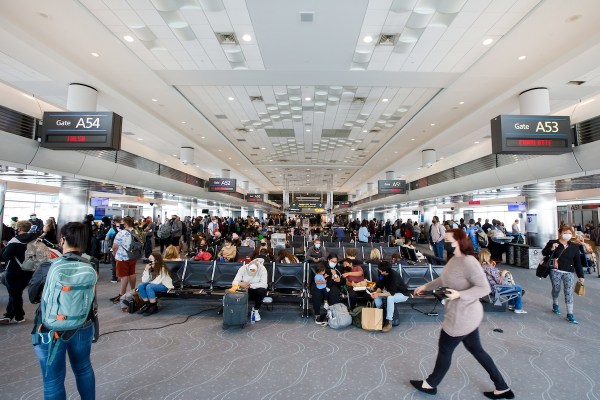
239 17
150 17
194 16
117 4
130 18
140 4
94 4
107 17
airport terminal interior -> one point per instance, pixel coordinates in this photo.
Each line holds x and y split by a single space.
293 130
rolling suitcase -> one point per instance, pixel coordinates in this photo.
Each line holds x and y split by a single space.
235 309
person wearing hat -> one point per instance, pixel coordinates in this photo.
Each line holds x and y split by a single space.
253 278
38 223
263 251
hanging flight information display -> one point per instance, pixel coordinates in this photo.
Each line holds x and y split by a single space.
221 185
81 131
531 134
391 186
255 198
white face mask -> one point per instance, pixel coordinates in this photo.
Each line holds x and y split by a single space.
317 245
566 236
332 265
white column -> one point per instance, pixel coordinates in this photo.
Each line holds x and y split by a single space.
81 97
535 101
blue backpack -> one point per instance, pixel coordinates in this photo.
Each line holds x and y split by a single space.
67 299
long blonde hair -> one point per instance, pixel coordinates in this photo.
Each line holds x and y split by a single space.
485 257
171 253
375 254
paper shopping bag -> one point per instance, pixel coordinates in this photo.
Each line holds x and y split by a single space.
580 289
371 318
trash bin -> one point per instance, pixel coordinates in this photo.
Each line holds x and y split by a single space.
510 254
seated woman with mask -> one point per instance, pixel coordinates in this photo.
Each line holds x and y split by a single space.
253 278
228 252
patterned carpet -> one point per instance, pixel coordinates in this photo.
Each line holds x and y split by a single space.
286 357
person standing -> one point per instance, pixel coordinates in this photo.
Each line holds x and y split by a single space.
125 267
79 346
38 223
567 264
15 278
49 231
436 235
176 231
149 229
363 232
466 283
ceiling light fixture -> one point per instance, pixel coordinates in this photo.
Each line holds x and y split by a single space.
307 99
203 137
476 142
154 100
183 122
385 100
247 38
128 38
461 102
231 98
487 42
368 39
140 139
263 148
95 54
432 124
220 150
412 139
521 58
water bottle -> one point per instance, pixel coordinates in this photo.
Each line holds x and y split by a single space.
252 318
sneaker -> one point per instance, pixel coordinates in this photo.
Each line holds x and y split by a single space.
555 309
19 321
521 311
114 280
5 321
256 315
571 319
326 306
320 320
115 299
511 308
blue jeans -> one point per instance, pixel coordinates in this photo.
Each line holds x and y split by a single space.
79 349
517 302
438 249
391 300
148 290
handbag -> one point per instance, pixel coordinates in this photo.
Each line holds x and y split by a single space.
543 268
371 318
579 289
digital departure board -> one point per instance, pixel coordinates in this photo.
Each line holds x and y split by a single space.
531 134
255 198
221 185
81 130
293 209
391 186
345 204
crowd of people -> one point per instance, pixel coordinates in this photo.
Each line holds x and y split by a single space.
335 278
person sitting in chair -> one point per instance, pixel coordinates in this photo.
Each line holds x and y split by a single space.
391 286
497 277
253 277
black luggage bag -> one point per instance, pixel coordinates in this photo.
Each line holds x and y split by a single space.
235 309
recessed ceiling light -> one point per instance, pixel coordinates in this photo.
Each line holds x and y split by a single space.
307 99
231 98
487 42
128 38
412 139
476 142
461 102
352 149
220 150
183 122
365 131
140 139
521 58
308 130
95 54
419 168
230 158
395 152
154 100
174 155
368 39
263 148
385 100
246 38
203 137
432 124
441 158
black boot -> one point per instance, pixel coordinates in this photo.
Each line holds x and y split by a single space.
153 308
144 307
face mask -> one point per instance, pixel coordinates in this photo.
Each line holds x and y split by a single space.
566 236
33 218
332 265
228 245
449 248
122 226
317 245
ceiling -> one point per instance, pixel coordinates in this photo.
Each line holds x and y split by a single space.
306 95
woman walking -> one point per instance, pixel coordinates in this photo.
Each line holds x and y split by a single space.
565 258
465 283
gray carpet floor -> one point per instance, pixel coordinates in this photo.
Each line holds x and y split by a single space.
286 357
